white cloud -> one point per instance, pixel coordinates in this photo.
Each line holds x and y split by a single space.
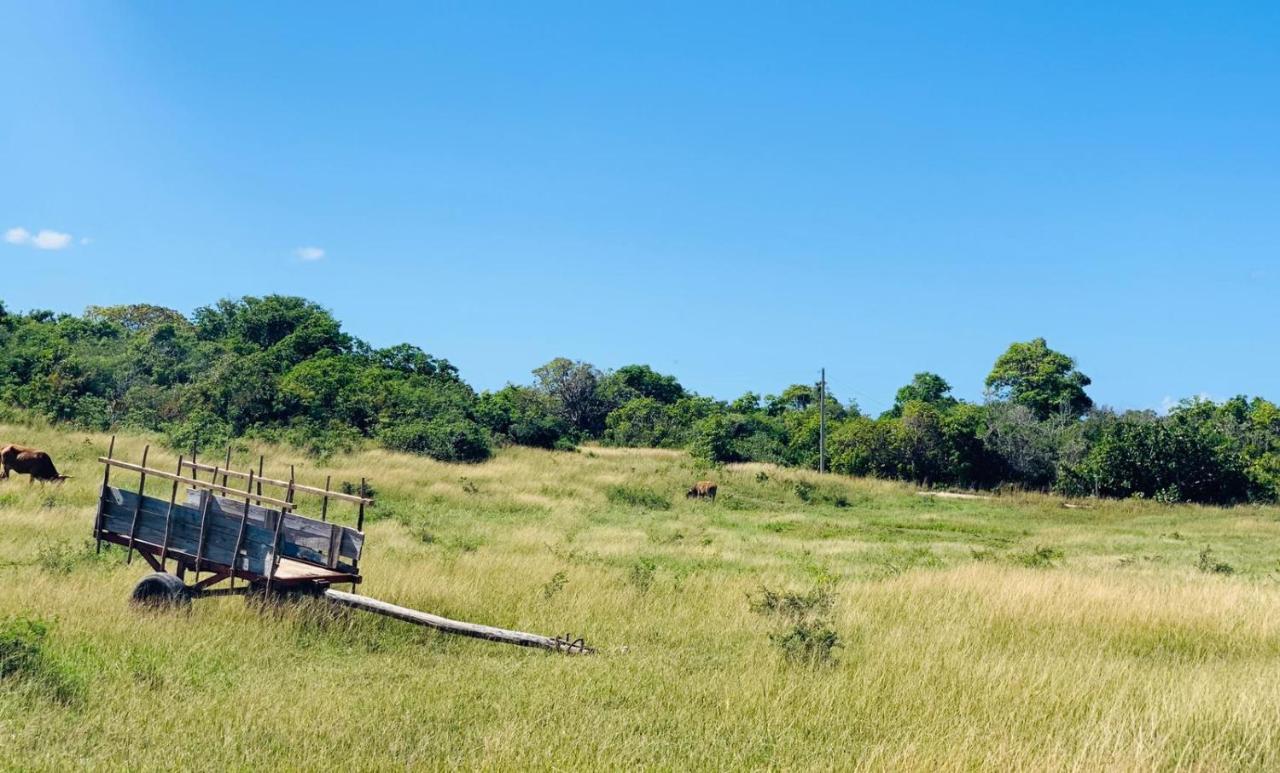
45 239
309 254
51 240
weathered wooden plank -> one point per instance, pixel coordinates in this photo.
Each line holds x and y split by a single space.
221 529
352 544
305 539
189 481
335 540
284 484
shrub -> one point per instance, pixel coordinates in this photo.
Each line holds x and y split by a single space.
642 421
642 573
713 440
23 656
634 496
322 441
353 489
1040 558
810 641
1208 563
21 646
63 556
806 634
554 585
812 495
792 605
444 438
201 430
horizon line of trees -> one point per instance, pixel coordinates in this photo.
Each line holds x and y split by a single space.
281 368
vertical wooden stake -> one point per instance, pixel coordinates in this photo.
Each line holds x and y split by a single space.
142 488
244 519
226 467
195 473
355 563
335 545
261 458
168 518
206 497
360 520
275 547
324 508
288 496
102 497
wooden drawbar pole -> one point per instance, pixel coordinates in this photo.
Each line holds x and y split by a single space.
486 632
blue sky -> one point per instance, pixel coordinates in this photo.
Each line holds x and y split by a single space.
736 193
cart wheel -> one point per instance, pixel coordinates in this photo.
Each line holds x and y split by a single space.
161 589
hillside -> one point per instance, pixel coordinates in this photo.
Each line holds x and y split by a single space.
1007 631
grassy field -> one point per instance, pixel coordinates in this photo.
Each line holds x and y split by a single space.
1011 632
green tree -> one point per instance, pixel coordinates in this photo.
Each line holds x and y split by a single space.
573 387
713 440
631 381
925 387
522 415
641 422
1044 380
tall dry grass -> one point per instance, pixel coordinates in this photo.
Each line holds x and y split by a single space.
1005 633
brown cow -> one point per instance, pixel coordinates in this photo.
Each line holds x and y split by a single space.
28 461
703 489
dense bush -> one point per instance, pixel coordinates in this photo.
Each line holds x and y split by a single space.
275 367
447 438
1194 454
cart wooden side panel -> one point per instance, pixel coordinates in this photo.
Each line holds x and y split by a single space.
315 550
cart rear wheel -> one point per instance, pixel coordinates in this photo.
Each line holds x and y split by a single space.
161 589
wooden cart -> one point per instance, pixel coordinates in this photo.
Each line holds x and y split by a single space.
236 532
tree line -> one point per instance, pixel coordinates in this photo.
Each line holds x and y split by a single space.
281 368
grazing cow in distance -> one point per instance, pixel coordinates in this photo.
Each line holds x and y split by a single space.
703 489
28 461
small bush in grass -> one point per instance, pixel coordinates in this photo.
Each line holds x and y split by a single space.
642 573
806 634
1210 564
635 496
792 605
23 657
554 585
809 641
1042 557
21 646
464 543
353 489
811 494
62 557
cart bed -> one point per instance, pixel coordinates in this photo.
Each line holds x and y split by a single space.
214 529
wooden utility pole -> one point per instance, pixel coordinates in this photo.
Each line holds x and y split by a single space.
822 422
